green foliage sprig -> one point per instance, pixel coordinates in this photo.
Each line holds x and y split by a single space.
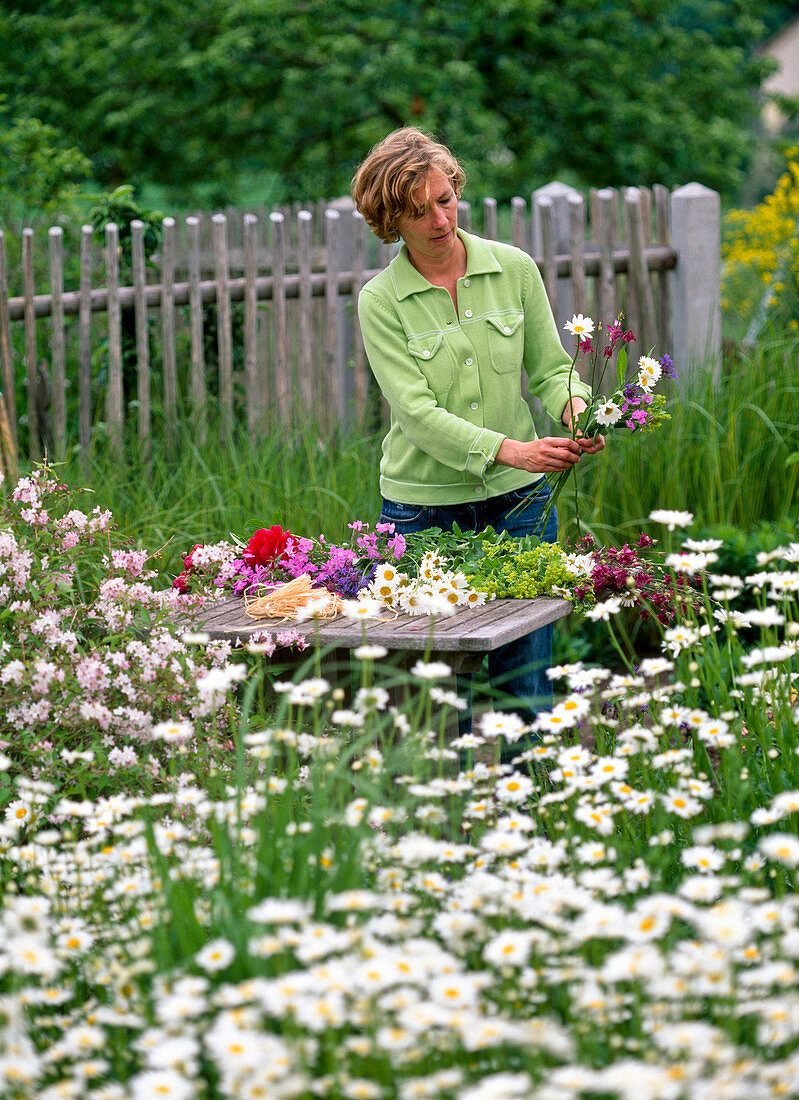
505 567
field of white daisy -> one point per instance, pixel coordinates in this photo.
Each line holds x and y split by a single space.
212 888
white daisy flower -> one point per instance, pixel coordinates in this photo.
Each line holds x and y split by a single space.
671 518
216 955
370 652
608 413
496 724
605 609
367 607
649 371
580 326
431 670
781 847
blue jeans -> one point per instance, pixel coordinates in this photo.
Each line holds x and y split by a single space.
517 671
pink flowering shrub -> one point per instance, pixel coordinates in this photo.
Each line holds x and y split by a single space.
92 670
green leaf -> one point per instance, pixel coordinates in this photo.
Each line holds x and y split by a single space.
621 365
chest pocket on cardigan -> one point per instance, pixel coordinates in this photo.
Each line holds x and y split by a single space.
432 356
505 336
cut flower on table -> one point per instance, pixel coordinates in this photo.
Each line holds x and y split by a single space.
439 572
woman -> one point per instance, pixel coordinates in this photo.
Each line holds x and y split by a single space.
448 327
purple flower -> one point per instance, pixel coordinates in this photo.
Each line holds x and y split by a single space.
667 363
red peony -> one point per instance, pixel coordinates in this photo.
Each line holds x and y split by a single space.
180 582
188 564
267 545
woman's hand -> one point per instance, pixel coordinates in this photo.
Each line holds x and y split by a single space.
590 444
543 456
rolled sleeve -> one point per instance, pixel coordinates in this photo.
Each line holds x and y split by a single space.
483 452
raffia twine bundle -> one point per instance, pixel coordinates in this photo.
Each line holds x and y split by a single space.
287 600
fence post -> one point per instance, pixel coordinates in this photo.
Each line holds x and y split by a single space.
696 292
347 305
559 194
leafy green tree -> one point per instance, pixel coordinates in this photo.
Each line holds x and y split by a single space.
524 90
39 173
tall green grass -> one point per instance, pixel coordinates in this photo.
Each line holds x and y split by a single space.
725 456
302 480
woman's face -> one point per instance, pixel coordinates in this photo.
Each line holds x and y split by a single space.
432 236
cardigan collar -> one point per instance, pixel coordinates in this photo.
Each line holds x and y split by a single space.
480 260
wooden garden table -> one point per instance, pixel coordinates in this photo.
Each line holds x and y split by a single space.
461 640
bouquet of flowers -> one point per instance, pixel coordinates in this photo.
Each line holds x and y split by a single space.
631 407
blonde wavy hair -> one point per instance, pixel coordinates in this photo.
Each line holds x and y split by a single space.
384 184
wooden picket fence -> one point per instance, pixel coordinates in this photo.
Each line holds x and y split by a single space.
281 341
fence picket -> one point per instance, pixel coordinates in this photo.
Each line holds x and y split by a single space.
280 362
305 357
544 207
638 275
576 208
85 346
490 219
606 284
168 358
31 350
193 230
142 335
646 214
660 196
256 403
58 340
219 224
7 380
335 370
518 207
358 280
115 390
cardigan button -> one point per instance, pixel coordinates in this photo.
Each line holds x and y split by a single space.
468 313
426 353
475 405
467 282
469 362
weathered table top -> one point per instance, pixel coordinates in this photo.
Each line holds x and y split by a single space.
475 630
